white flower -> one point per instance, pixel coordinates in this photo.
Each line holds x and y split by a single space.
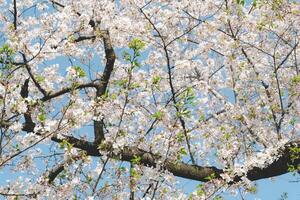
71 72
226 177
17 126
75 181
74 151
21 107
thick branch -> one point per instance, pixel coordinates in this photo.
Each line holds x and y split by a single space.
101 89
27 116
278 167
181 169
193 172
110 60
55 171
15 14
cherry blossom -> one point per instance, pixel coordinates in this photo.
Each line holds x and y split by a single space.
117 99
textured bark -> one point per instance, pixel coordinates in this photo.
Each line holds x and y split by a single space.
102 86
189 171
55 172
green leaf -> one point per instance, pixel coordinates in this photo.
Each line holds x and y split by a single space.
80 72
89 179
295 80
5 49
156 80
134 86
292 122
17 147
71 39
66 144
200 191
240 2
122 83
158 115
211 177
182 151
295 153
180 137
136 160
217 198
136 44
134 173
75 197
254 3
6 56
40 78
183 113
227 136
252 190
122 169
135 63
42 117
202 118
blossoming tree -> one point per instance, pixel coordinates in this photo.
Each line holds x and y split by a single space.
115 99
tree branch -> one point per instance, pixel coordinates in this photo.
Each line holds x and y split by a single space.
101 89
15 13
27 115
285 159
36 83
67 90
193 172
110 60
55 171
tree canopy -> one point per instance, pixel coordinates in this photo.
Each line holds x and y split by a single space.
115 99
